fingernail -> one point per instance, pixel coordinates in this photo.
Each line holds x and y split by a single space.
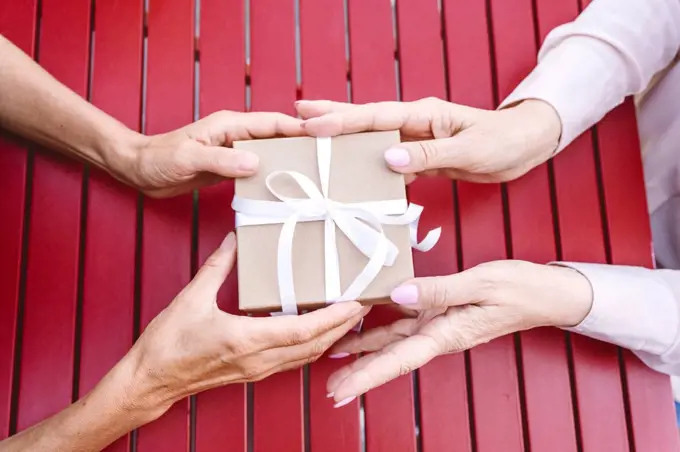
344 402
329 395
407 294
338 355
397 157
229 240
248 162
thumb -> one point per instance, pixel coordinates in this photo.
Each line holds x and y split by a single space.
438 291
212 274
223 161
418 156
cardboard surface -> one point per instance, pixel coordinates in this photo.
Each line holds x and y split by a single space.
358 174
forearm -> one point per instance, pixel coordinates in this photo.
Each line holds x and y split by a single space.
110 411
33 104
612 50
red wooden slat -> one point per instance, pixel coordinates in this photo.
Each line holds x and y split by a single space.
324 76
652 419
372 66
547 389
108 290
166 241
389 413
274 88
493 368
652 422
52 273
273 56
17 23
597 380
220 413
443 387
322 47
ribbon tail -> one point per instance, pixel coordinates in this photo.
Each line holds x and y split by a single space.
368 274
428 242
332 264
285 267
365 234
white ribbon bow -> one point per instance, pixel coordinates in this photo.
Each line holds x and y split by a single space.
360 222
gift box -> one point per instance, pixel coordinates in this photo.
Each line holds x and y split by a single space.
323 220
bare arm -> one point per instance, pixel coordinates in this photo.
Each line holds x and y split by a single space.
190 347
93 422
35 105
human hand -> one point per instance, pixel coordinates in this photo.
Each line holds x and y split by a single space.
443 138
458 312
198 154
193 346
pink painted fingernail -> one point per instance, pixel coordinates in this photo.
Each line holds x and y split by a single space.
344 402
338 355
329 395
397 157
407 294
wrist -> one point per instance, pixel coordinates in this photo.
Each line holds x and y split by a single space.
543 125
133 396
573 296
120 154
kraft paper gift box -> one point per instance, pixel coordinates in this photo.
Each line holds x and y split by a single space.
273 267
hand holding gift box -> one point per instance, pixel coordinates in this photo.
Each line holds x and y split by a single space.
323 220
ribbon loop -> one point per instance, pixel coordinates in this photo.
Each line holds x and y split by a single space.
361 223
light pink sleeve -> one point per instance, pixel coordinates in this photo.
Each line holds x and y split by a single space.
635 308
612 50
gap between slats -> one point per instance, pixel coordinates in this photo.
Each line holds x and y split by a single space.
459 239
83 228
195 198
608 253
28 196
417 408
139 226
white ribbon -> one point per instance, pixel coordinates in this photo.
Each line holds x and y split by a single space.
360 222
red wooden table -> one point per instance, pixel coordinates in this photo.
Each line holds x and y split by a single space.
86 263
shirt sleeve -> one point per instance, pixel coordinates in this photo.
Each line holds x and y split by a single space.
612 50
635 308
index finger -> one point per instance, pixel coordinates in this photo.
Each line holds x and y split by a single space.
283 331
359 118
266 125
374 370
